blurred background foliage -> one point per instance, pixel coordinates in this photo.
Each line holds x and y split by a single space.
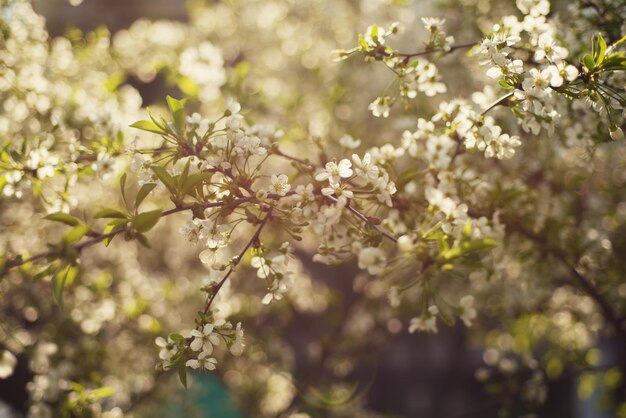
277 62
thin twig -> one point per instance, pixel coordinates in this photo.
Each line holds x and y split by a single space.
368 220
496 103
433 50
17 262
585 283
253 241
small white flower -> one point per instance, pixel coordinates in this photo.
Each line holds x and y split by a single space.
205 340
433 24
203 362
380 107
168 351
334 172
236 349
348 142
138 162
364 166
233 106
468 313
373 259
263 269
279 184
427 322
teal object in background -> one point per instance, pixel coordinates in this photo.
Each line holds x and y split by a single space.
206 397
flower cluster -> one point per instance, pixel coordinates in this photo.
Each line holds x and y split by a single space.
196 351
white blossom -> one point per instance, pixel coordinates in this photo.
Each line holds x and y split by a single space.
280 184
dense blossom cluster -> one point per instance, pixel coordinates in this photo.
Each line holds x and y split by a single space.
525 251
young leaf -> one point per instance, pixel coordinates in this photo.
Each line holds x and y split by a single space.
112 226
143 240
182 374
588 61
193 180
183 177
53 267
146 125
362 43
75 234
175 104
177 107
143 193
103 392
145 221
165 178
63 278
601 49
64 218
123 188
109 213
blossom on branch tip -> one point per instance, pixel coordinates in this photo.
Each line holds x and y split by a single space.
280 184
334 172
206 338
202 362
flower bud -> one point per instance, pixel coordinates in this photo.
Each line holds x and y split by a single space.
405 244
617 134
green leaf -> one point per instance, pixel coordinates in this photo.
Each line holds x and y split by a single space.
175 104
160 124
123 188
75 234
374 32
504 84
193 180
146 125
468 247
103 392
143 193
64 218
183 177
143 240
601 49
63 278
182 374
177 107
109 213
112 226
145 221
589 62
176 337
48 270
480 244
165 178
362 42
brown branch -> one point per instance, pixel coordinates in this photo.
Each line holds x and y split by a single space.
368 220
585 283
495 104
433 50
18 261
252 241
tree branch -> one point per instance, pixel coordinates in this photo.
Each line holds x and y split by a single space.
18 261
585 283
433 50
253 241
